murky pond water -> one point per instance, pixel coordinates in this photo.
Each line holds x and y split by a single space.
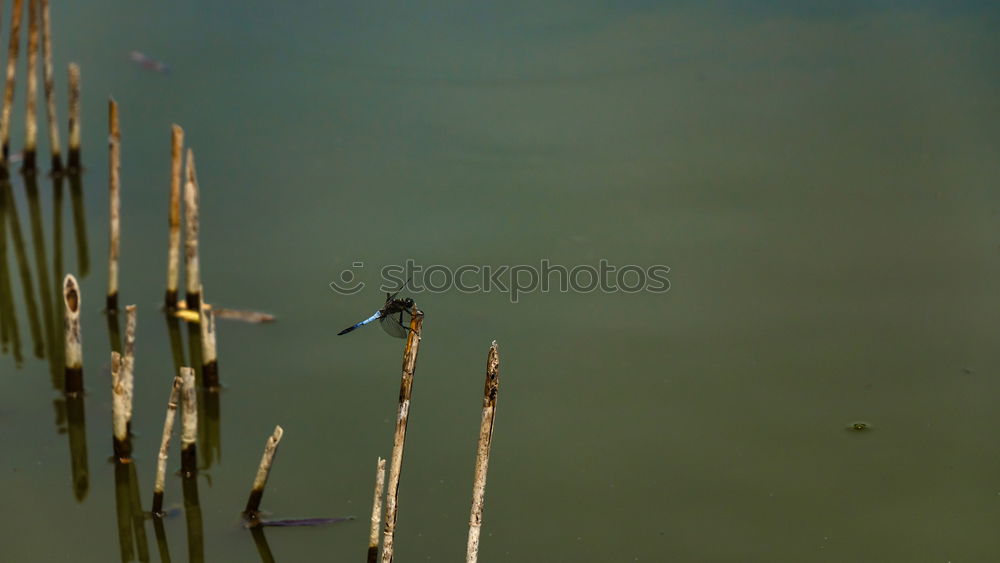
821 185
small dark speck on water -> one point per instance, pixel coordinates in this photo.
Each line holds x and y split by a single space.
859 426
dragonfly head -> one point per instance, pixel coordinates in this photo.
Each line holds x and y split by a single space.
408 303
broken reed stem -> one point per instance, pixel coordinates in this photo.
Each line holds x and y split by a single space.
74 118
252 511
119 409
193 276
189 429
74 348
209 362
174 219
114 193
31 113
402 416
490 391
50 97
8 96
376 511
128 361
161 460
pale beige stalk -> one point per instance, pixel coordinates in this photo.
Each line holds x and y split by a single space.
399 437
128 361
189 419
114 193
119 421
193 276
376 510
168 428
74 116
74 347
174 220
490 391
50 97
31 112
8 96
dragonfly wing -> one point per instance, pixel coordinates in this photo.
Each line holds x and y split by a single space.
396 323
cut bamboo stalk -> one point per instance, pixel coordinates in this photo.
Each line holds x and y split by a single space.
252 512
376 511
8 96
128 362
174 218
114 193
74 118
209 362
490 391
189 430
192 274
118 409
74 347
50 96
31 113
161 460
402 417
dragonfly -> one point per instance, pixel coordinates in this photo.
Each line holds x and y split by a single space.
394 316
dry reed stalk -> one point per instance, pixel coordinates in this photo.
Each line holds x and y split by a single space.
490 391
192 273
128 361
119 409
174 220
74 118
376 511
31 113
50 97
161 459
209 362
402 417
114 193
189 420
252 512
74 348
8 96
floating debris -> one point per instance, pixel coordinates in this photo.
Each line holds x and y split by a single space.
859 426
148 63
245 316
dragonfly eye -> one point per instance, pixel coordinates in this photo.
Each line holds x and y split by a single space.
409 303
